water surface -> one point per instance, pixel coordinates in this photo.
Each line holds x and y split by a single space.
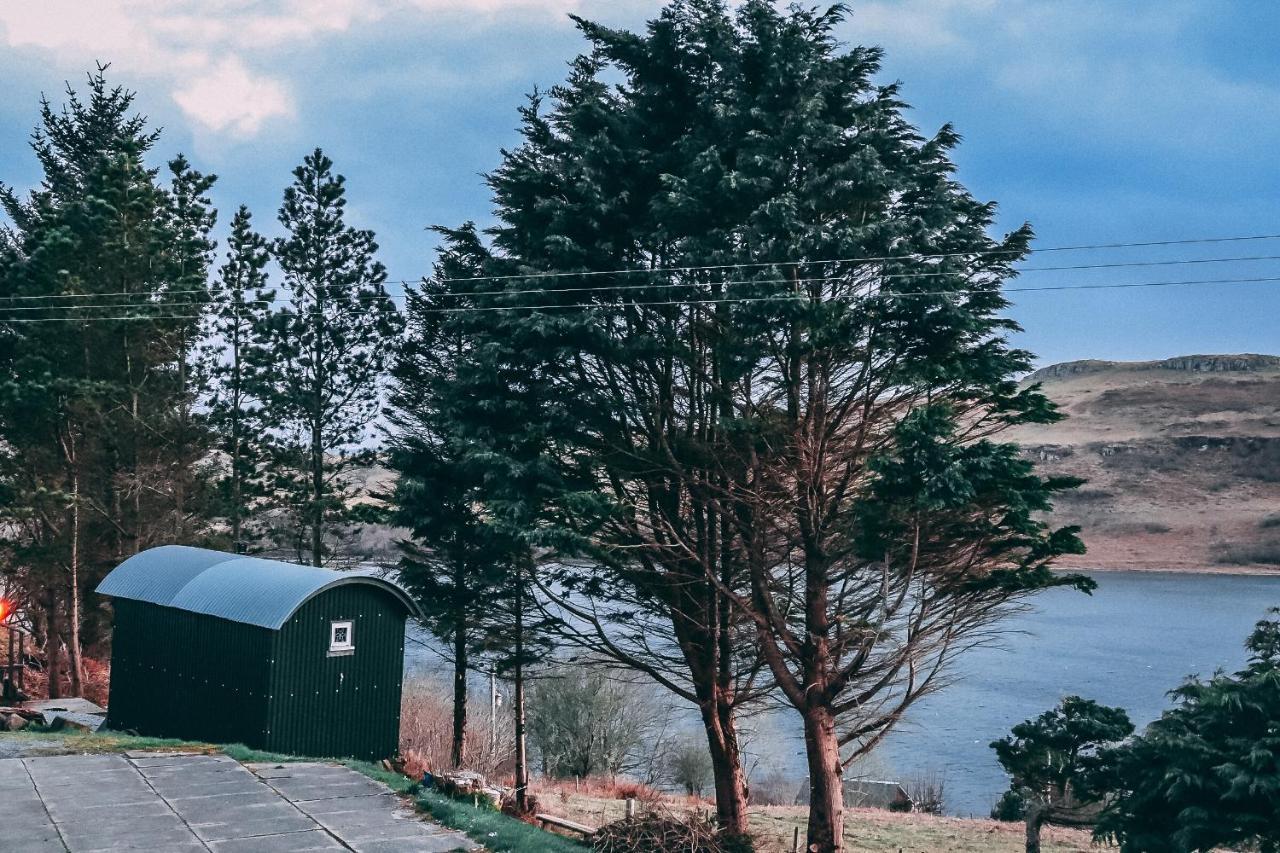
1138 636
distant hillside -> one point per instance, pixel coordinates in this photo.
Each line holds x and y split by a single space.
1182 458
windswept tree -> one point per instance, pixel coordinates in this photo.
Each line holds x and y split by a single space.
241 307
773 436
329 347
104 277
1057 763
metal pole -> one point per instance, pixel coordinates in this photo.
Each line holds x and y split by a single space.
493 714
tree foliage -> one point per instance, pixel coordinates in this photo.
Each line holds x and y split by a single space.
328 346
773 439
1056 763
1206 775
104 269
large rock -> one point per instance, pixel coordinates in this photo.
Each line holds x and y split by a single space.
13 723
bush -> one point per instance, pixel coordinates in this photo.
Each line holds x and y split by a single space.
1266 552
690 766
583 722
426 731
1012 806
927 792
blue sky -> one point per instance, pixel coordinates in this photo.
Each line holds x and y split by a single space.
1098 122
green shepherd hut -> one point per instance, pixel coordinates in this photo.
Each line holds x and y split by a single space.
230 649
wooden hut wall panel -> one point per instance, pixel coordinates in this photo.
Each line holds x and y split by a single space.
339 705
186 675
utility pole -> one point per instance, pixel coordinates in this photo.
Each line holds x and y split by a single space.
493 713
522 769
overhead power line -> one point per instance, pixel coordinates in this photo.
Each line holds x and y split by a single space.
910 256
149 300
784 297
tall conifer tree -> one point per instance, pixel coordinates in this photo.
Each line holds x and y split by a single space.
329 347
95 404
241 307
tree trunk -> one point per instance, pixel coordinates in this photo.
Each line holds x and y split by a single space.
522 766
826 789
1036 814
726 765
317 496
458 753
53 648
77 661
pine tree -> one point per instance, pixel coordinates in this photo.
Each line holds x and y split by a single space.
1056 760
329 347
1206 775
105 267
241 307
455 562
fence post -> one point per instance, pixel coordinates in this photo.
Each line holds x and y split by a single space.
631 808
795 840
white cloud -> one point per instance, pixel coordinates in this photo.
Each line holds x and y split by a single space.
219 58
228 98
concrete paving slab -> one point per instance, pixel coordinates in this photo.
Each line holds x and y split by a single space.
437 844
293 842
178 803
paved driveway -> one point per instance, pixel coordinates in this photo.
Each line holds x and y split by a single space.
181 803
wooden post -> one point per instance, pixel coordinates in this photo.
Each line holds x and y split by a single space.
631 808
22 663
795 841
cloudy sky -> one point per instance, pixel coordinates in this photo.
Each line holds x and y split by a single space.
1098 122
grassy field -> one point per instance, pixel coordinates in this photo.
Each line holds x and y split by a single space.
866 830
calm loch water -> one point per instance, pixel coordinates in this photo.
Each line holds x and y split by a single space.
1129 643
1138 636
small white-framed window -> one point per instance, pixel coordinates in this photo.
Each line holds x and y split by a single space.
342 639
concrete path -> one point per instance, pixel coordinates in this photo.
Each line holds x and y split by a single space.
180 803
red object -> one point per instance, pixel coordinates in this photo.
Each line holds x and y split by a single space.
4 610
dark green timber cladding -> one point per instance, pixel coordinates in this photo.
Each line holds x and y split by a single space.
346 705
186 675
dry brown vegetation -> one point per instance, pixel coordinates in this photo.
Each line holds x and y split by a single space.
866 830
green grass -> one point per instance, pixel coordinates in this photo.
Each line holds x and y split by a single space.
496 831
71 740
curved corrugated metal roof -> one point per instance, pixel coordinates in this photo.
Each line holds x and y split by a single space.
229 586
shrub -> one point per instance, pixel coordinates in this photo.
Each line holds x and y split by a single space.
690 766
1011 807
1266 552
927 791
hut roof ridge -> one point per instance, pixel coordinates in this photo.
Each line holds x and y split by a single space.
250 590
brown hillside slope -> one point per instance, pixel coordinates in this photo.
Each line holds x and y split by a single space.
1182 458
